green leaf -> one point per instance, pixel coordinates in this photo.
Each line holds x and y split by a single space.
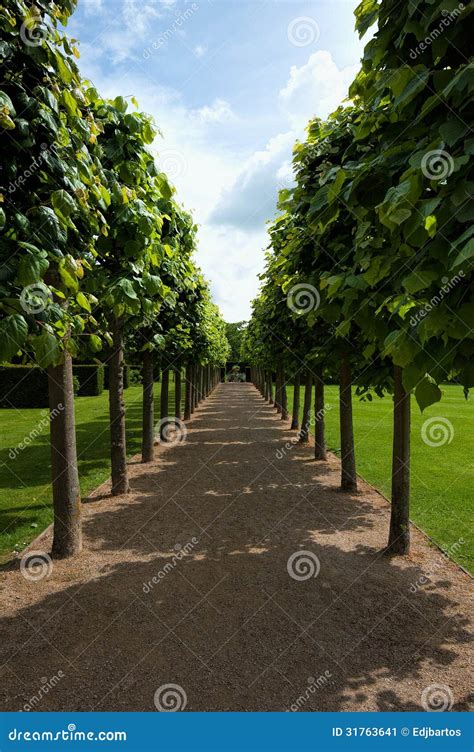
427 393
46 348
411 376
13 333
418 280
31 268
95 343
62 203
67 276
83 301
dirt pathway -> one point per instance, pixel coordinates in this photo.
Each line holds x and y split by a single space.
215 521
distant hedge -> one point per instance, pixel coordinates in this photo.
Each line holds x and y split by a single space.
23 386
126 377
91 379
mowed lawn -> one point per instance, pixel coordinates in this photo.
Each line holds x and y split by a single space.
442 477
25 491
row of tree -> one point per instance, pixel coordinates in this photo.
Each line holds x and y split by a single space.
369 274
96 254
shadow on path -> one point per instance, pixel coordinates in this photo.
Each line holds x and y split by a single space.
186 581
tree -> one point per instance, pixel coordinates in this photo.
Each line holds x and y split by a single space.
234 333
52 202
128 259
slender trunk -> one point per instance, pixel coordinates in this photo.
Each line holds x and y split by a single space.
188 395
348 463
177 393
295 420
399 536
284 397
305 423
320 441
200 383
270 386
148 408
118 445
164 399
67 539
278 391
193 387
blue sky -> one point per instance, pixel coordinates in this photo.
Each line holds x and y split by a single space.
231 85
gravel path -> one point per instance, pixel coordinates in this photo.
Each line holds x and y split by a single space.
215 521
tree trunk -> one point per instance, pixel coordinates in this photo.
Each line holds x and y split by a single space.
187 395
67 539
193 387
284 397
305 423
164 400
118 444
399 536
320 441
278 391
177 393
295 420
270 386
348 463
148 408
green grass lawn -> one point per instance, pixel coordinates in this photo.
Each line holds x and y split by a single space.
25 496
442 477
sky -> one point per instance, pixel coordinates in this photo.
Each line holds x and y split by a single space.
231 85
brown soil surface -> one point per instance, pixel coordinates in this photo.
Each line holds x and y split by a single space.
227 622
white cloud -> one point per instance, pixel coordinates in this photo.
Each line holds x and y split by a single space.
231 198
199 50
316 88
251 199
219 111
232 260
93 7
137 16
